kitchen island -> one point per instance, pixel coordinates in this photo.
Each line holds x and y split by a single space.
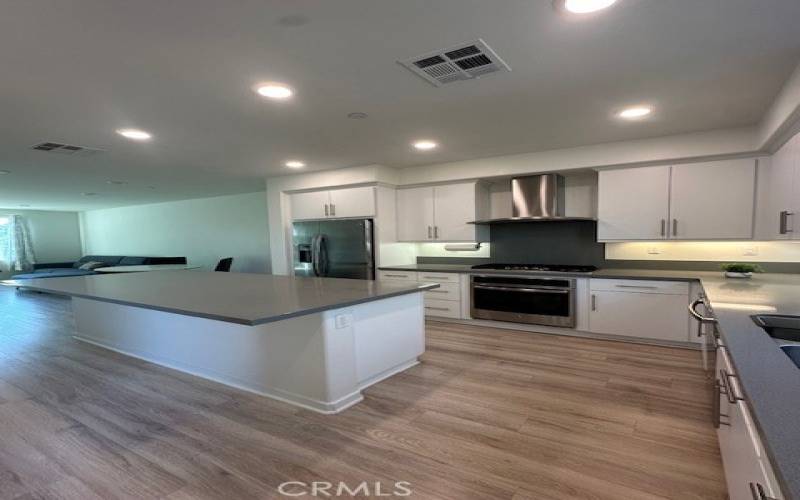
312 342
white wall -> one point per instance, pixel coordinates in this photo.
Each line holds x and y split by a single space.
55 235
204 230
714 251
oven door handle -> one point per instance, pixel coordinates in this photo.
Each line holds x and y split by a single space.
525 290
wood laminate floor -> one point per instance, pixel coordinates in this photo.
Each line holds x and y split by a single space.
488 414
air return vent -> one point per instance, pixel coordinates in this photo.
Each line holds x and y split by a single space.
65 149
465 61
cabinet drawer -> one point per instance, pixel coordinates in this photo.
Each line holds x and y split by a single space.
428 277
446 291
640 286
397 275
442 308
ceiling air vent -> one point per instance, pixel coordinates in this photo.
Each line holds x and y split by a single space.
465 61
65 149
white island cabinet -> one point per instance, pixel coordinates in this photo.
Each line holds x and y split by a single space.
311 342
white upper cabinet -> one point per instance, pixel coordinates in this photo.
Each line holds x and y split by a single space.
713 201
633 203
353 202
698 201
415 214
442 213
337 203
454 207
313 205
782 202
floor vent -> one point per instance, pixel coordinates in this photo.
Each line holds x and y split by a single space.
65 149
465 61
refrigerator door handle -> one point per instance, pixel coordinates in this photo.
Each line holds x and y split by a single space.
369 249
315 254
323 255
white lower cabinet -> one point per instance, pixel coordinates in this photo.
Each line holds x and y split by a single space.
643 309
748 472
442 302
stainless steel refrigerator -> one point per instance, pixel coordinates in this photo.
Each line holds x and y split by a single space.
334 249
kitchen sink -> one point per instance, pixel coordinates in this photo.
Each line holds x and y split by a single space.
793 351
779 326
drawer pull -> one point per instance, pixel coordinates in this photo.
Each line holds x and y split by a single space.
438 291
641 287
443 278
437 308
396 275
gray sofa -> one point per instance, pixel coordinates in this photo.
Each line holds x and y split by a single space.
62 269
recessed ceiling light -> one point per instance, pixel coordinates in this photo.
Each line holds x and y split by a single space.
635 112
88 194
425 145
5 172
135 134
274 90
295 164
584 6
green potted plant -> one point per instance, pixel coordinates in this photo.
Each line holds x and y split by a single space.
740 270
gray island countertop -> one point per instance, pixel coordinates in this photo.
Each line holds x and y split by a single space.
242 298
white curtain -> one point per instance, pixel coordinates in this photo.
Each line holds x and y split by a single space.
20 249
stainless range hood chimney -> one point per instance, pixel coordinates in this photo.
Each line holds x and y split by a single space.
539 196
536 198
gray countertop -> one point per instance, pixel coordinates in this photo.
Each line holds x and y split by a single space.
771 382
246 299
769 379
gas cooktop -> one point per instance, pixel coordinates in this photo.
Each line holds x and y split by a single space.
550 268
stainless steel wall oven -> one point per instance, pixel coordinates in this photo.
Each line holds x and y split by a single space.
531 300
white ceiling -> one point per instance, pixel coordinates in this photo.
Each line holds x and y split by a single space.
75 70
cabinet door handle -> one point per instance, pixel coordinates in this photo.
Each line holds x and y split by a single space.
726 377
663 227
784 225
436 232
326 210
333 209
594 302
758 492
430 233
674 227
717 410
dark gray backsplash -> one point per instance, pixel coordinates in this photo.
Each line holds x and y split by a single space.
568 242
574 242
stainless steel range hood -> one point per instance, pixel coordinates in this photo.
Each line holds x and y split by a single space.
536 198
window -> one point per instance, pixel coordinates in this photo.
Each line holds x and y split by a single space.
4 226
